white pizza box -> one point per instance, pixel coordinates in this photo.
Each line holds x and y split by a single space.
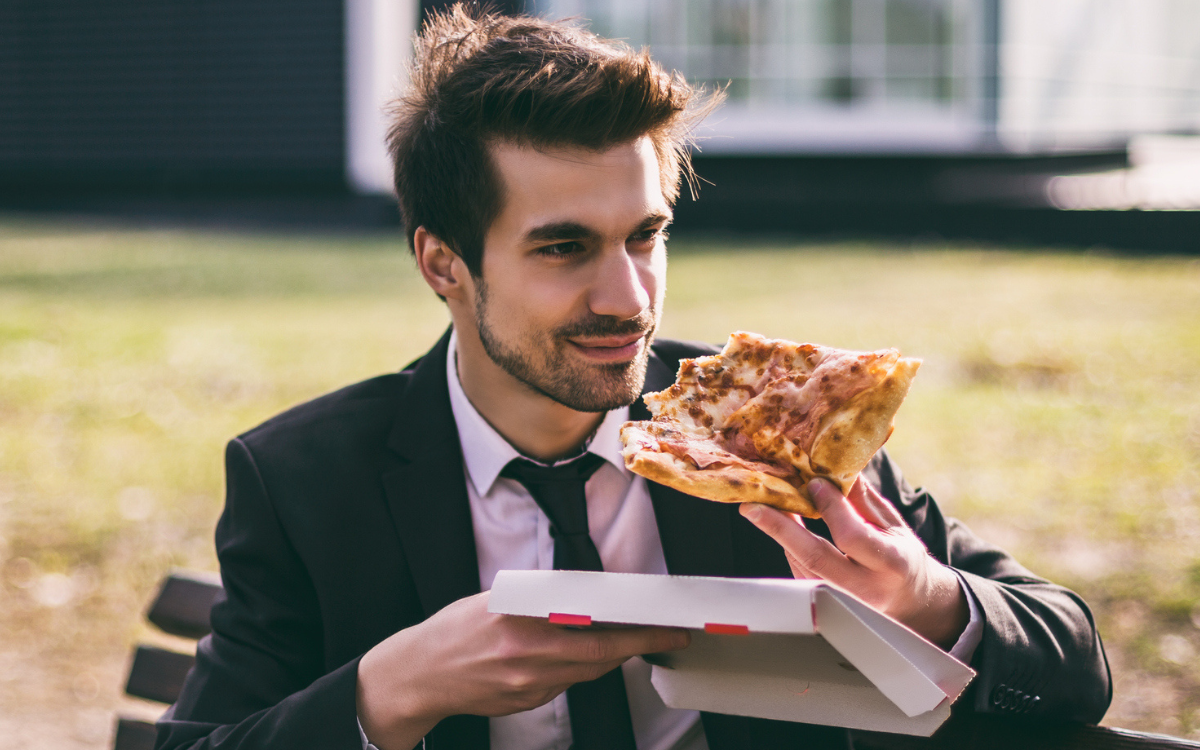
795 650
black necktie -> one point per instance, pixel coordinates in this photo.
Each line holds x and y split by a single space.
599 709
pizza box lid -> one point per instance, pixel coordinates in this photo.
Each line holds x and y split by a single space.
794 650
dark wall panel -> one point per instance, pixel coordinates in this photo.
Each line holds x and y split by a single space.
221 94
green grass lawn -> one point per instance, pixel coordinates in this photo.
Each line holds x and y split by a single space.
1057 413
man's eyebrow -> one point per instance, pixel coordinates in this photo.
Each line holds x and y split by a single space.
559 231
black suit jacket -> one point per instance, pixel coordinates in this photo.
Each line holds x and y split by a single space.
347 519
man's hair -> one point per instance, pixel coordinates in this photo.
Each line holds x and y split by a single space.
478 78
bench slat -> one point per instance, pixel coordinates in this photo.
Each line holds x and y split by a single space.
133 734
157 674
183 603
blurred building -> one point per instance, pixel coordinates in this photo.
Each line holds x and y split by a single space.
848 116
923 76
140 99
962 118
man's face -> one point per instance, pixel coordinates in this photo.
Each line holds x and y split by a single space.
574 271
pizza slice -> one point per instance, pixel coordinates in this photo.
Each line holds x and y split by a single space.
759 420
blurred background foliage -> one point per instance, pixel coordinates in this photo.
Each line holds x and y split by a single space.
1057 413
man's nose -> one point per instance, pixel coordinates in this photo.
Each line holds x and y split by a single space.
619 288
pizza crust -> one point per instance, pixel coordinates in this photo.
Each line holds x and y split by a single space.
722 484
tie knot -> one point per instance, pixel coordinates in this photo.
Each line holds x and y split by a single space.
577 470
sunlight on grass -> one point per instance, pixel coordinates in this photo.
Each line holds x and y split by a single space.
1056 413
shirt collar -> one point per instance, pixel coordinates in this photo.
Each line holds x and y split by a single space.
486 452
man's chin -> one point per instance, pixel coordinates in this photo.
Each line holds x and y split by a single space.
566 376
600 388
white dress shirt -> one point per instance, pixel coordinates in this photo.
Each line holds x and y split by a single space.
512 533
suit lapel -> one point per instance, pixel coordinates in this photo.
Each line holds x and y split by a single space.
427 490
427 495
696 534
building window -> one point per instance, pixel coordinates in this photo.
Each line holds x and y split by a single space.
802 53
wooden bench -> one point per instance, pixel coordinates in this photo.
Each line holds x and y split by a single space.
181 608
183 602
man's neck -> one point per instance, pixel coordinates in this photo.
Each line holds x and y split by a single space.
534 424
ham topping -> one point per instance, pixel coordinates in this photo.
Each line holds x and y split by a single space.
837 380
703 453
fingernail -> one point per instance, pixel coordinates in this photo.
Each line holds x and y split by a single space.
682 639
752 511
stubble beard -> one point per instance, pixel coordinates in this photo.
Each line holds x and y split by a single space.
542 364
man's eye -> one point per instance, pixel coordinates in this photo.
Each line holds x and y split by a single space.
561 249
650 235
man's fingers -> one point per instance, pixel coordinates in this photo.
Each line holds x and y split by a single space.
638 641
539 660
842 518
798 569
809 551
853 535
861 500
873 506
615 646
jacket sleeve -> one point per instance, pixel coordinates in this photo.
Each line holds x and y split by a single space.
259 681
1040 654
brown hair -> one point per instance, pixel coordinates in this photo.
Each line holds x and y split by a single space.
479 77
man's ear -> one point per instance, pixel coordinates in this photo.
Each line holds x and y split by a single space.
443 269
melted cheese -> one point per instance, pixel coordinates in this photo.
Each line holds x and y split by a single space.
761 401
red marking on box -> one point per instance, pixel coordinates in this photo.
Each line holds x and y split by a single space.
559 618
717 628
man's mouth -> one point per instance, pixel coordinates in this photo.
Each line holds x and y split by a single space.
608 348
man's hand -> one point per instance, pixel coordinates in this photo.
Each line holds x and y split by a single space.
465 660
875 556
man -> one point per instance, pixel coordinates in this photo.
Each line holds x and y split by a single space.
536 167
